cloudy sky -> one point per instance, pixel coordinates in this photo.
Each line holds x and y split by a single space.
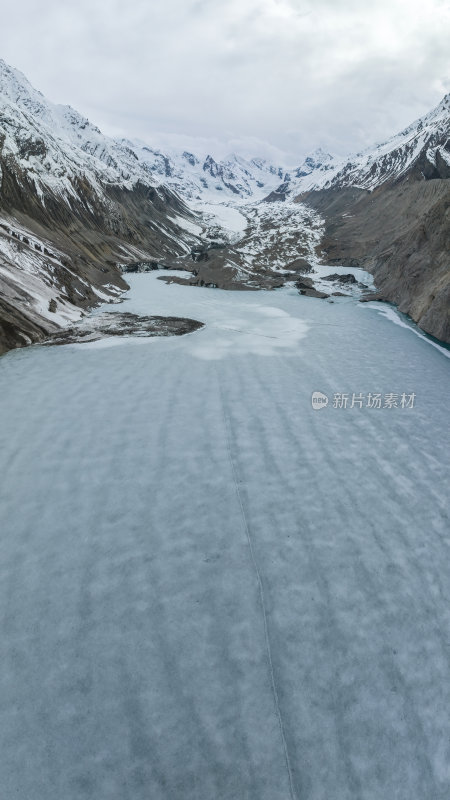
251 75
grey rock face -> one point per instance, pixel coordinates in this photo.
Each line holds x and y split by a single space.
101 326
401 234
348 278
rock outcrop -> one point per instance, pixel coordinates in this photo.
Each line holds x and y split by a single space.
73 205
388 211
79 210
401 234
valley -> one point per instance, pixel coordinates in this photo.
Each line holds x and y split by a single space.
224 457
208 583
78 209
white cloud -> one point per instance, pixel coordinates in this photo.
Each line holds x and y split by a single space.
296 73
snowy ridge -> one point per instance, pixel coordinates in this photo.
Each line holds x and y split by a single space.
107 204
54 145
319 159
29 277
427 139
203 177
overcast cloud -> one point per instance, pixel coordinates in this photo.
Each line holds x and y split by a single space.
248 75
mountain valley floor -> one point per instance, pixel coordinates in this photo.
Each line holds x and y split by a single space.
209 588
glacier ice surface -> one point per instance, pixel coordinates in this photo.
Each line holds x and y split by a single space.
211 590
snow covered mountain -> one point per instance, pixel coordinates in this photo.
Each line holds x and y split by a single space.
73 204
55 146
319 159
423 147
386 210
77 208
199 177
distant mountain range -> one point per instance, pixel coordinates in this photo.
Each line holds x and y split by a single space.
54 147
388 210
422 149
76 204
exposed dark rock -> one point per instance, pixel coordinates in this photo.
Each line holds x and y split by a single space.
306 287
279 194
101 326
89 233
366 298
313 293
18 328
32 147
141 266
300 265
199 253
212 167
305 283
401 234
220 271
190 158
347 278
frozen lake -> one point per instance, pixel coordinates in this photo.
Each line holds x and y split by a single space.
210 590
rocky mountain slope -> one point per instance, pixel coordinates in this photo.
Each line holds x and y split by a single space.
79 209
73 204
421 151
387 210
204 178
56 146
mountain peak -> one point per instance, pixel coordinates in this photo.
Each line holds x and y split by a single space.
13 79
316 160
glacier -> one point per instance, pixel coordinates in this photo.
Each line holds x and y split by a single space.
208 588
